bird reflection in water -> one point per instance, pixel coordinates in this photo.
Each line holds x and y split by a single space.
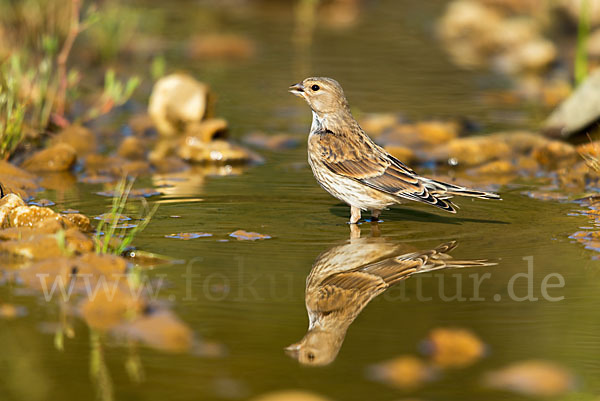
345 278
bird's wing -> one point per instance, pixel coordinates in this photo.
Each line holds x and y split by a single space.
357 157
341 289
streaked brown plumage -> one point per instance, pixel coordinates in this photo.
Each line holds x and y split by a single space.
345 278
353 168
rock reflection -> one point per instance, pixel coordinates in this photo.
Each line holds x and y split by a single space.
345 278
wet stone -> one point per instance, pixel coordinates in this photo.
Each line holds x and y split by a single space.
178 100
59 157
132 148
555 154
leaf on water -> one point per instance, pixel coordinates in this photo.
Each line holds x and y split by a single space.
243 235
134 193
110 217
188 236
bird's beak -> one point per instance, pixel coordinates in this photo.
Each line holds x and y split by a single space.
293 350
297 89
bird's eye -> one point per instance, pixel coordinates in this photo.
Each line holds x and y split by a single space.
310 355
315 88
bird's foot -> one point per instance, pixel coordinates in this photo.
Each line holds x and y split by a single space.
354 215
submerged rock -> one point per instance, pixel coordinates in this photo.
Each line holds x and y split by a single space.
59 157
532 378
177 101
578 111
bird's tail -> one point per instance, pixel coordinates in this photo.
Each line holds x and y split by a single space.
438 259
401 267
444 190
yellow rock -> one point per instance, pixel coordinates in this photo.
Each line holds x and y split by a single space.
496 167
436 132
477 150
108 308
7 204
291 395
30 216
454 348
555 154
402 153
221 46
375 124
59 157
78 137
403 372
161 330
178 100
208 130
132 148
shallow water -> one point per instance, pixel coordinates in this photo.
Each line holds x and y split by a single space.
249 295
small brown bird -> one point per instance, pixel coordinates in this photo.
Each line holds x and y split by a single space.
353 168
345 278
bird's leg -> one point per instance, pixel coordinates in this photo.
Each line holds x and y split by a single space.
354 215
375 215
354 231
375 231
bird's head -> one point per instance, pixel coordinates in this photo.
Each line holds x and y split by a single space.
323 95
318 347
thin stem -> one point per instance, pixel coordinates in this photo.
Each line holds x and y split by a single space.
64 55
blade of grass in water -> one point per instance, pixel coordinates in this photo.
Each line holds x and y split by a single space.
119 202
